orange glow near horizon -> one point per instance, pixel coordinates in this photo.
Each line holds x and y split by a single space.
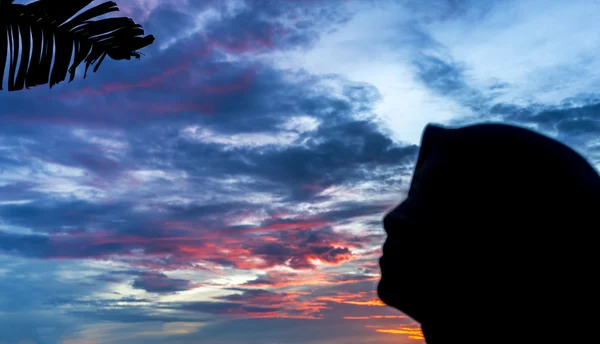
367 317
357 299
413 333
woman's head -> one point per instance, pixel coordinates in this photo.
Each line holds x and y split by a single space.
494 213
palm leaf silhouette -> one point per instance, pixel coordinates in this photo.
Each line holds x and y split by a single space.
40 39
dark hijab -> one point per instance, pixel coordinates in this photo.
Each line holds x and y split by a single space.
499 231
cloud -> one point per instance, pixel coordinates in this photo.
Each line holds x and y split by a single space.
197 185
256 303
160 283
538 66
290 243
276 279
574 124
115 175
447 78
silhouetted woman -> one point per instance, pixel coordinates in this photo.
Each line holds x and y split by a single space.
500 231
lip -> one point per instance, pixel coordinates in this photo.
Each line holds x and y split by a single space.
385 248
392 247
383 264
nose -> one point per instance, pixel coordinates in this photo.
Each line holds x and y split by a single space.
392 224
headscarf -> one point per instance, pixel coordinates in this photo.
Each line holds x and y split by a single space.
498 229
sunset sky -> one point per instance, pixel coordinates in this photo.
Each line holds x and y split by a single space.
229 186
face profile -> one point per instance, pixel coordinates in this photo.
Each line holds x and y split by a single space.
497 229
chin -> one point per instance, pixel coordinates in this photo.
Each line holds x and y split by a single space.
393 293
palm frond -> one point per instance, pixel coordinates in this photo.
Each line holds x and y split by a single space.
35 35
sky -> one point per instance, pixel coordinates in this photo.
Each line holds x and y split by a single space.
229 186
